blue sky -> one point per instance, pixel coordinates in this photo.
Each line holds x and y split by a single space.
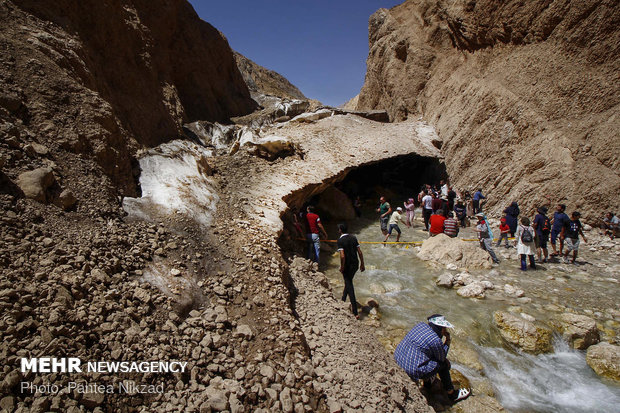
319 46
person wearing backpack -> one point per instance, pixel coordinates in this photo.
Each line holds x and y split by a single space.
525 243
542 225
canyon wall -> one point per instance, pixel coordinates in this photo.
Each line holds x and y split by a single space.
97 80
264 81
525 95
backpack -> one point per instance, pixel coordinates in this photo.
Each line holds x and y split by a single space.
546 226
526 235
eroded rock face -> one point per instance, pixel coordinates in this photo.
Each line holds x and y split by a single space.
579 330
523 333
548 100
110 76
604 358
262 81
445 250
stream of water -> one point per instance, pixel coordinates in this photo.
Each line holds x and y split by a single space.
405 289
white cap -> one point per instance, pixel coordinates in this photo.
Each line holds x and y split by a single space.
399 209
440 321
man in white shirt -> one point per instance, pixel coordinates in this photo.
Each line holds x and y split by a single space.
427 208
393 223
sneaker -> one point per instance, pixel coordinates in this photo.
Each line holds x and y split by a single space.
459 395
566 260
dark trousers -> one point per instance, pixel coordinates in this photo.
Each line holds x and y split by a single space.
444 375
476 206
349 290
426 213
524 263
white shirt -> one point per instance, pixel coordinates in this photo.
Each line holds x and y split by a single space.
444 190
396 216
428 202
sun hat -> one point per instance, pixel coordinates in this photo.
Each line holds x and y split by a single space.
440 321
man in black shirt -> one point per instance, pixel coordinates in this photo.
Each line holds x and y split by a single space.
349 249
570 235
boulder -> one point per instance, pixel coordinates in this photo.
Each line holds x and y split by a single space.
35 183
579 330
445 250
604 358
268 147
66 200
473 290
522 333
337 203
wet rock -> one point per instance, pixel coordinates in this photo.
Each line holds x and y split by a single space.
445 280
579 330
523 333
35 183
604 358
337 202
445 250
478 404
463 353
473 290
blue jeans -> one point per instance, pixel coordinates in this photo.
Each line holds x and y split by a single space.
314 247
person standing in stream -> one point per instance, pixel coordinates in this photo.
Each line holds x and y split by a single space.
349 249
427 208
385 210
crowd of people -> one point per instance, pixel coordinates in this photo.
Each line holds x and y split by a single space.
446 210
423 351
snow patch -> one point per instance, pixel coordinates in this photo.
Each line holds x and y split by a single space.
175 178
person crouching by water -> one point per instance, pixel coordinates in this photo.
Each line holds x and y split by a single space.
385 210
393 223
349 249
525 243
485 239
423 354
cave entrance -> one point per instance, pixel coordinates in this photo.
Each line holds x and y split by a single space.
397 179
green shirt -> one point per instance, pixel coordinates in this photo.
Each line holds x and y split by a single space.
384 207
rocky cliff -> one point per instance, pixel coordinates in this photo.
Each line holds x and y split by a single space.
525 95
100 79
262 81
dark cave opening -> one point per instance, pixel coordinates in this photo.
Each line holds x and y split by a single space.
397 178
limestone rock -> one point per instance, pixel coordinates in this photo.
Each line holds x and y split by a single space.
445 280
473 290
523 333
269 147
313 116
604 358
579 330
444 250
35 183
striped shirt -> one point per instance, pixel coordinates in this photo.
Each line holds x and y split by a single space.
420 352
451 227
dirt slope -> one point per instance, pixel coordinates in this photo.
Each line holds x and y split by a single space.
525 95
99 79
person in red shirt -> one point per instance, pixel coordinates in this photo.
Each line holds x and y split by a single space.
314 226
436 223
504 230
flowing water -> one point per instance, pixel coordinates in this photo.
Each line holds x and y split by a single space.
405 289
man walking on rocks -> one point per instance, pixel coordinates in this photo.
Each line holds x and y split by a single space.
315 226
349 249
423 354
